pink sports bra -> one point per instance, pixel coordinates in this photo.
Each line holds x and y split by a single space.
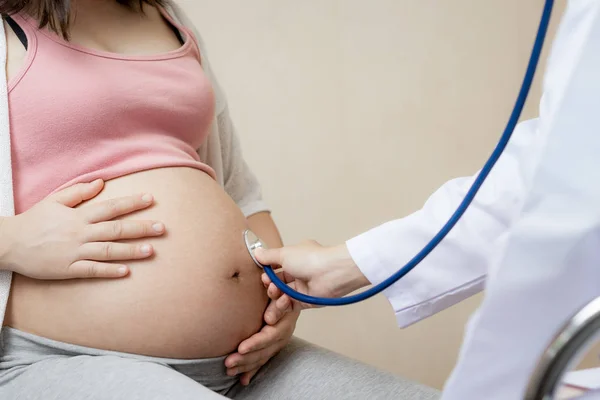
77 114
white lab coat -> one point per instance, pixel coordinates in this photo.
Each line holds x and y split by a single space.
533 230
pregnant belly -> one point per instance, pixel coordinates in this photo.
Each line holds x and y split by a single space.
199 296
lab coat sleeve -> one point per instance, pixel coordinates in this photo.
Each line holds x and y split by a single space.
456 269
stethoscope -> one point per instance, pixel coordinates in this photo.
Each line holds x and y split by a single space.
253 242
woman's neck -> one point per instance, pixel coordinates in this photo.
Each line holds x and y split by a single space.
105 14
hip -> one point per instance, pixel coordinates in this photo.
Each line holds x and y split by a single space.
37 357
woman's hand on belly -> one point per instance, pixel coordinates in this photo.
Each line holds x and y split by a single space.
53 240
257 350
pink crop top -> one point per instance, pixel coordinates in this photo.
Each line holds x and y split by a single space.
77 114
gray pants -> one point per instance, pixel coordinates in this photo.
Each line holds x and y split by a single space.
35 368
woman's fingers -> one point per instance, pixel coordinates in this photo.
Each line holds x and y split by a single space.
285 277
245 368
267 336
113 208
94 269
273 292
246 377
277 309
284 304
265 280
78 193
248 361
108 251
120 230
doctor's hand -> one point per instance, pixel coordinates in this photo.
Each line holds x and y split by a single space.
312 269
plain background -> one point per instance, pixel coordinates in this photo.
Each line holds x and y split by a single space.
352 112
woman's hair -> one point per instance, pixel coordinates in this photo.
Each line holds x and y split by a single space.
56 14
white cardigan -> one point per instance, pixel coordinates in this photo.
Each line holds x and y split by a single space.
221 151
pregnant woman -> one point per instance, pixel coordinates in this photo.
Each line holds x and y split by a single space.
120 94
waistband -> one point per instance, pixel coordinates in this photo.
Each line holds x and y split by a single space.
18 349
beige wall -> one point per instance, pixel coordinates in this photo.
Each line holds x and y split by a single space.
351 112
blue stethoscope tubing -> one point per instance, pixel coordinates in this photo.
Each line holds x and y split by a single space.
464 205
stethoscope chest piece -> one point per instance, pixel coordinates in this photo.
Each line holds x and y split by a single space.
252 243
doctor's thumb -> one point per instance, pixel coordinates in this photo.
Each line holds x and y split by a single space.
268 256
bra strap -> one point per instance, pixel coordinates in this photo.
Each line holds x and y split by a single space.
17 30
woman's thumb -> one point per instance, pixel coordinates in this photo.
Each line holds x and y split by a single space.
77 194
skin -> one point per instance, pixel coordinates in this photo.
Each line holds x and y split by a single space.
255 351
310 269
54 241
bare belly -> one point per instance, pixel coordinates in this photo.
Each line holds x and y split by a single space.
199 296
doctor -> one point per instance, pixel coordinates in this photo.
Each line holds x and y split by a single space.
531 236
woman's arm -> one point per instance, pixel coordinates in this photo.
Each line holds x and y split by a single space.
264 227
239 180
